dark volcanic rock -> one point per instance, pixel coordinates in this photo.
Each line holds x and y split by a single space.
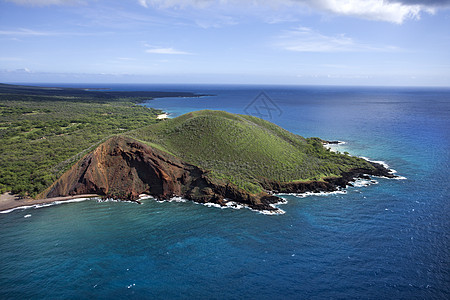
329 184
331 142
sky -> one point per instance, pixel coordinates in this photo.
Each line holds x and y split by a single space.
292 42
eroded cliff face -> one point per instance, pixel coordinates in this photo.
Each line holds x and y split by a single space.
123 168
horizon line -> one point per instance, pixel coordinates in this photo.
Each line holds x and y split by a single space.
46 84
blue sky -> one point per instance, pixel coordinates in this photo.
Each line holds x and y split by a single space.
337 42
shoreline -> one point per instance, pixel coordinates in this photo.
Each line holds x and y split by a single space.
10 202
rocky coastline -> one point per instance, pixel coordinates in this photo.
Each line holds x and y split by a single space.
123 168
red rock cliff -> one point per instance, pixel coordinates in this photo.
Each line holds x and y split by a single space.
123 168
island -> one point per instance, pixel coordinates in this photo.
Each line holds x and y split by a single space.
207 156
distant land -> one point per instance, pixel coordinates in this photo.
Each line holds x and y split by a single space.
205 156
43 131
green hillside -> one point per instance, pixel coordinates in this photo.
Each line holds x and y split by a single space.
245 150
43 131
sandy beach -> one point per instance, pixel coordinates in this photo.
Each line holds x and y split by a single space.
163 116
9 201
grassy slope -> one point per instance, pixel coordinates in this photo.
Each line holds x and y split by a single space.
243 149
44 131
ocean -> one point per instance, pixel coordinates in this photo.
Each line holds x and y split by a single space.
385 240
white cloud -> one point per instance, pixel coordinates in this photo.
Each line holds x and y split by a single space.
166 51
143 3
380 10
182 3
46 2
440 3
305 39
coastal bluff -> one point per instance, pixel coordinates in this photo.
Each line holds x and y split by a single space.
123 168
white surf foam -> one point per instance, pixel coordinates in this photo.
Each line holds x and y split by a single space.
307 194
386 165
360 182
116 200
145 196
235 205
16 208
36 206
177 199
61 202
276 212
232 204
383 163
173 199
334 147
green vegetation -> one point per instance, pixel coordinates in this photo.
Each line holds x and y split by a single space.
44 131
245 150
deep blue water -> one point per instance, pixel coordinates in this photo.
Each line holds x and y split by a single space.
388 240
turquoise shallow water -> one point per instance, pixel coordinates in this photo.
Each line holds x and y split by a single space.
385 240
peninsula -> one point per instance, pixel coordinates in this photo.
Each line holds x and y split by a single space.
60 144
212 157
